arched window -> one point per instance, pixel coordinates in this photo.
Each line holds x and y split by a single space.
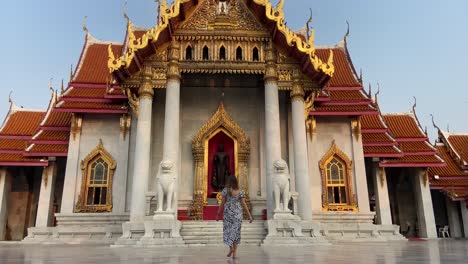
255 55
96 185
239 53
337 187
98 182
206 54
222 53
336 182
188 53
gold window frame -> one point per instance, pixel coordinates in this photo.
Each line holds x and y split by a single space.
81 204
351 205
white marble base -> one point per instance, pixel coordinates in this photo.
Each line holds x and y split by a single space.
79 229
290 233
164 215
355 226
132 232
162 233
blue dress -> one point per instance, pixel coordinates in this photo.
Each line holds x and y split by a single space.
232 220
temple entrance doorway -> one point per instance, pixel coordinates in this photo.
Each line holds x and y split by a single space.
220 148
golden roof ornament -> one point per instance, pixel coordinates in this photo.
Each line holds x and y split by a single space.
272 13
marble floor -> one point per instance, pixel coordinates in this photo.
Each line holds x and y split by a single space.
437 251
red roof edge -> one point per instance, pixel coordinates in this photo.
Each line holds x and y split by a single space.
343 113
411 165
25 163
92 111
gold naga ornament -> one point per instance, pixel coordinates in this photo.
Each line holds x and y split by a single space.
275 14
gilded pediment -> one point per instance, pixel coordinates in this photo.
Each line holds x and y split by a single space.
218 14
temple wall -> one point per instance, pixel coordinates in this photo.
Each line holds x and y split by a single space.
245 105
338 130
107 128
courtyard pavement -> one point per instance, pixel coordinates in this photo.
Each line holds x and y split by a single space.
436 251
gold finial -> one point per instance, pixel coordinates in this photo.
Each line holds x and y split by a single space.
10 99
347 32
111 57
85 28
308 24
280 5
50 84
360 77
62 89
370 91
71 72
330 58
414 105
433 123
125 12
377 93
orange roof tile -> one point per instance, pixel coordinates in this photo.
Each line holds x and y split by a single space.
460 145
16 158
352 95
380 150
403 126
58 119
372 122
420 146
424 159
13 144
40 148
54 135
376 138
450 182
343 76
22 122
452 168
83 105
343 108
93 66
86 92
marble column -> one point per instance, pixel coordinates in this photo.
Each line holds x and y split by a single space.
453 218
382 200
425 212
464 213
171 143
5 188
72 184
141 168
301 168
272 125
45 207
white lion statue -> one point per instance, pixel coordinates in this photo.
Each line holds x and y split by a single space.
165 181
281 191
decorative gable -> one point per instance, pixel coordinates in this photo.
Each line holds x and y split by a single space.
215 14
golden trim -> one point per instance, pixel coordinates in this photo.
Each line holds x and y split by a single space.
220 121
81 206
273 14
125 123
351 197
356 127
76 123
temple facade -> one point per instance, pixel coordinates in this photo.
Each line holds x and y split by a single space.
136 148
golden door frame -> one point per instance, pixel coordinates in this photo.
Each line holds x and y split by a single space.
219 122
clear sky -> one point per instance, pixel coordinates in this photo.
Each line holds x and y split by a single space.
411 47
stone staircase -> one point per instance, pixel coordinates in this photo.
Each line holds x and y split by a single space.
210 233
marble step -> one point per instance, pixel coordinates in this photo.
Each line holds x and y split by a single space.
219 242
217 232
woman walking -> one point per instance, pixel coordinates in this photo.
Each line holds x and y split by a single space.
233 200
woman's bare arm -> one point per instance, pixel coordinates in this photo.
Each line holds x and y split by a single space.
246 209
221 207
